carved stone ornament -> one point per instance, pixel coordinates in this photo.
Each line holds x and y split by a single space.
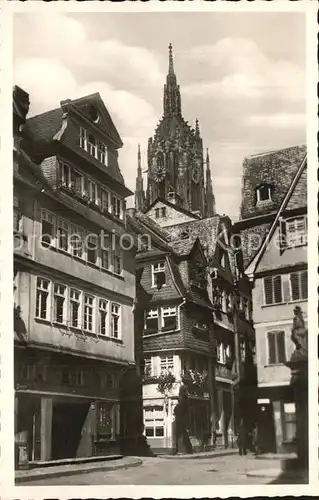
196 175
159 173
299 333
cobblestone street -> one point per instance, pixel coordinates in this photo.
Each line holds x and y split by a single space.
229 470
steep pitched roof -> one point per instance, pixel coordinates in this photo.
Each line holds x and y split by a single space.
172 205
42 132
252 267
206 230
182 247
275 168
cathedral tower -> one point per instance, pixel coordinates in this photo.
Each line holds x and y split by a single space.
175 154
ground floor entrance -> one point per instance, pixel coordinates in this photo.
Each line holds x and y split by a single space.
68 424
276 421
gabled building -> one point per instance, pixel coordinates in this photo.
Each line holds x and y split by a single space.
180 202
74 284
278 268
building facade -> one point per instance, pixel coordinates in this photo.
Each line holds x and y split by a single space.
195 329
274 230
73 285
205 294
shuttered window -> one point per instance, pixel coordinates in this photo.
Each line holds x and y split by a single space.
299 285
276 347
273 289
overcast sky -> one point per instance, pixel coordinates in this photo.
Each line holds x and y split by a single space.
241 74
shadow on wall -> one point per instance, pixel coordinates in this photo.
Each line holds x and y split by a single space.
19 325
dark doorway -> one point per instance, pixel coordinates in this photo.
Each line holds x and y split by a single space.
67 422
266 429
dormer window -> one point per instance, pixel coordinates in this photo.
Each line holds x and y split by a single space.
93 146
163 210
263 193
158 274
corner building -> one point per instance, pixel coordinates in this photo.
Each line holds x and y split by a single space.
73 295
273 227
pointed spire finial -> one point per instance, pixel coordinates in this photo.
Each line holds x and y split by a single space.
170 60
197 126
207 158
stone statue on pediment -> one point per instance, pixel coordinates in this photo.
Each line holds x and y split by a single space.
299 333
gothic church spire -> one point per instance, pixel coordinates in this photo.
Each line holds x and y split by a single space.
209 198
172 95
139 191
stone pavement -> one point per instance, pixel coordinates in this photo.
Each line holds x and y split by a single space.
222 470
74 469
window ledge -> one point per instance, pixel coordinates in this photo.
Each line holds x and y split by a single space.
162 286
297 301
262 203
162 332
275 304
270 365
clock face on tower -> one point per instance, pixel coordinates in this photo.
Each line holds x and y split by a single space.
159 173
196 175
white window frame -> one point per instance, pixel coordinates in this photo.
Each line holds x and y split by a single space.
65 174
259 200
93 192
47 291
102 153
77 230
299 273
119 324
105 196
276 332
91 146
169 312
116 203
167 364
65 225
118 254
103 306
296 237
78 301
92 239
56 294
46 215
78 175
158 268
148 363
158 411
83 139
273 290
91 306
151 314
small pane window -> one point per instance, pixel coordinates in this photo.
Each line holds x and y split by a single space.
88 312
75 308
103 308
115 321
42 298
169 318
158 274
276 347
151 321
48 228
59 304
